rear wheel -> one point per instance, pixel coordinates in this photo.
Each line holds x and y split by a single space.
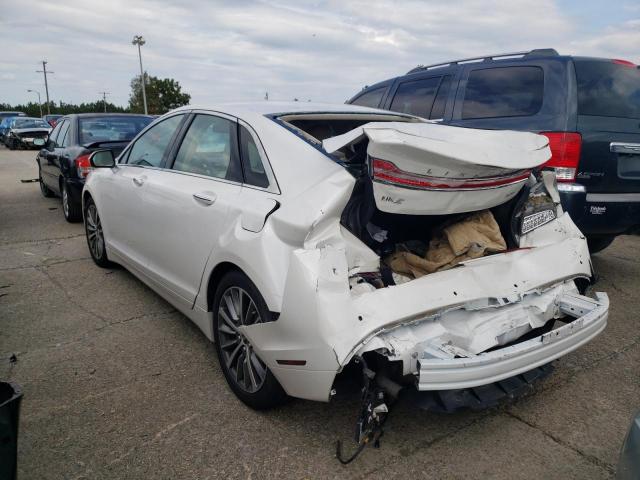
46 191
72 210
597 243
237 302
95 235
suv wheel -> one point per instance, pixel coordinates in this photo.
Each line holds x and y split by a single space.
72 210
597 243
237 302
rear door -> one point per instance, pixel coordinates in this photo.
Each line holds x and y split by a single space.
609 121
53 155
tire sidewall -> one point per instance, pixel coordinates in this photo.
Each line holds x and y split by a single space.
103 261
270 393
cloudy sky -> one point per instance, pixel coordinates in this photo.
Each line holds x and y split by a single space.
319 50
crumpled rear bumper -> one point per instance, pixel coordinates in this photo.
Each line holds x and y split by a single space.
487 367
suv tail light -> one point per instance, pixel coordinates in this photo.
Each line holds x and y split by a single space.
565 154
83 166
387 172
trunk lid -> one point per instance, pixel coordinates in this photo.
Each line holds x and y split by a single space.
609 121
426 169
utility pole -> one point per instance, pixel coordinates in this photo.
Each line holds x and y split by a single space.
39 101
139 41
46 85
104 99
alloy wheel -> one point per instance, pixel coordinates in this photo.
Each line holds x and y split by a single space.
246 369
94 232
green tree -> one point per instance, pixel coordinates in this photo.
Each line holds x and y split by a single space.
163 94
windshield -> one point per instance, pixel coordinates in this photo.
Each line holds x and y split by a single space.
111 129
608 89
30 123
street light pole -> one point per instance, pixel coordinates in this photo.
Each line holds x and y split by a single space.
46 85
39 102
139 41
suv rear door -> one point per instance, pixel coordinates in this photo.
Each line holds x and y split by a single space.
531 95
609 121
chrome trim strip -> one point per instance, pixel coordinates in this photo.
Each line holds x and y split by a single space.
620 147
613 197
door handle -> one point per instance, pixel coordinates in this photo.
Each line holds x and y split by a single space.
207 199
139 181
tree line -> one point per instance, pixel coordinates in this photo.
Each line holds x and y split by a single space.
163 95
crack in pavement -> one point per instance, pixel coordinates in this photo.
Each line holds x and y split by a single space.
44 264
46 240
590 458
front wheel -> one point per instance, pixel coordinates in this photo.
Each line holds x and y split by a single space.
95 235
597 243
237 302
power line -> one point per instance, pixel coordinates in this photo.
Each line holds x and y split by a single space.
104 99
46 85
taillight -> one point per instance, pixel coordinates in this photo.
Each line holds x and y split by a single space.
565 154
387 172
83 166
626 63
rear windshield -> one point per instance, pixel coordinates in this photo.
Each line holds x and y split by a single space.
30 123
111 129
608 89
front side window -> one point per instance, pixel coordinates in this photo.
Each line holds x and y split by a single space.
149 149
372 98
63 133
416 97
503 92
254 172
54 134
210 148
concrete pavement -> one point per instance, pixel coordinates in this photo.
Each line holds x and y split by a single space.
117 384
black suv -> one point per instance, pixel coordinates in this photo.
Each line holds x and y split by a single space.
589 108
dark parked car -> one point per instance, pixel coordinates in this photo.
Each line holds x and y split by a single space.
63 161
589 108
52 119
22 131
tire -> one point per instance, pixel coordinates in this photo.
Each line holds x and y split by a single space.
46 191
597 243
251 380
72 210
95 235
11 144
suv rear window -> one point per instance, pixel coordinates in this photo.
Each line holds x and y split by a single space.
503 92
371 98
608 89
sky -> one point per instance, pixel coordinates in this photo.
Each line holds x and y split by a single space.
320 50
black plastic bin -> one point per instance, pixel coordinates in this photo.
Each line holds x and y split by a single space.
10 396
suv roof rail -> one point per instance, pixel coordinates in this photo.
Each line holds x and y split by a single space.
538 52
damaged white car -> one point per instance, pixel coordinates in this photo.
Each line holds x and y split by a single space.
303 237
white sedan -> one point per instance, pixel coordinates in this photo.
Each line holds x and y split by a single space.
301 237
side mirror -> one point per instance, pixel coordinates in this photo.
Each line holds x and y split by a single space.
39 142
102 159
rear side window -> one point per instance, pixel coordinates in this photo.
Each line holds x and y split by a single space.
608 89
210 148
503 92
254 172
372 98
63 133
